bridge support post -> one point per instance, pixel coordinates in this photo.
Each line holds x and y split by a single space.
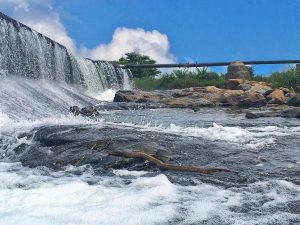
238 70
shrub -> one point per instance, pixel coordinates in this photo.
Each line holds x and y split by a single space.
181 79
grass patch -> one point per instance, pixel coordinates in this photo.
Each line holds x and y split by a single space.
181 79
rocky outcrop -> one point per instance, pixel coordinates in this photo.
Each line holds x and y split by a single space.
250 99
137 96
260 87
242 94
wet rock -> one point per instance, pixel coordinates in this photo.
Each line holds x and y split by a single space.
286 112
277 97
294 100
89 111
75 110
85 111
163 155
129 106
60 146
255 115
187 103
291 113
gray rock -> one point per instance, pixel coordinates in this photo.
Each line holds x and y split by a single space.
85 111
294 100
255 115
291 113
244 87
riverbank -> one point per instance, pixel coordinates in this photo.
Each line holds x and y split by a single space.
238 94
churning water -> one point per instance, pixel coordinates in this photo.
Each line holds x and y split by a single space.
79 195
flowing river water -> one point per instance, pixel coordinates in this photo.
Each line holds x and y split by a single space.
36 128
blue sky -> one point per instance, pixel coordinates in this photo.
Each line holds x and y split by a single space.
187 30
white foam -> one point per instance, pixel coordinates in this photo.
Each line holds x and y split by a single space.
30 197
129 173
107 95
253 137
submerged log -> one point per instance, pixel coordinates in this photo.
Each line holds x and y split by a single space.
167 166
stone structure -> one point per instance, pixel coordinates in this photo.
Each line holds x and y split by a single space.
238 70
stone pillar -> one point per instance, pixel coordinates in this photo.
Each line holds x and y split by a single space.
238 70
298 68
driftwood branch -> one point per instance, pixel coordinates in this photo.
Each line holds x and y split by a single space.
167 166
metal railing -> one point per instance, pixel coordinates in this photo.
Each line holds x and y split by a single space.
208 64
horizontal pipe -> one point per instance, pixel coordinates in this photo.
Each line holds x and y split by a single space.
186 65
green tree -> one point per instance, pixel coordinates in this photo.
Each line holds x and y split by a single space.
136 58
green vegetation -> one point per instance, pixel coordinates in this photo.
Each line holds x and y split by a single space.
287 78
152 79
136 58
181 79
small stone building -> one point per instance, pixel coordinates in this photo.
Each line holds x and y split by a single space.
238 70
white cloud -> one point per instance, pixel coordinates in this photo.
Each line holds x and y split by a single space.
42 17
124 40
22 6
52 27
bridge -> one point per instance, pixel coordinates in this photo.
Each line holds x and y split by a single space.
208 64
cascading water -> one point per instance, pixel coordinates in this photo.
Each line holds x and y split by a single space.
24 52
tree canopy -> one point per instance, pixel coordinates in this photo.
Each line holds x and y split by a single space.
136 58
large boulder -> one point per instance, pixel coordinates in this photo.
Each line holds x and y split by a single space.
277 97
136 96
246 100
260 87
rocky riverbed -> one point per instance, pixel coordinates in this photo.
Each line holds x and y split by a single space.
238 95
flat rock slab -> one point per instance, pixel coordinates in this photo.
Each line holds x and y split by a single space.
285 111
57 147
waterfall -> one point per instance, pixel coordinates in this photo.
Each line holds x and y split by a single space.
27 53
